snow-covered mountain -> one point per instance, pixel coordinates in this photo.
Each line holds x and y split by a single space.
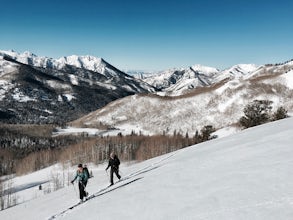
140 74
240 70
220 104
176 82
40 89
244 176
83 62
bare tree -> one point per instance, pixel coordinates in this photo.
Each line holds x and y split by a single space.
7 196
1 195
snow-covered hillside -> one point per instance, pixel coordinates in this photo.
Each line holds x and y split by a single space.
244 176
176 82
87 62
77 85
220 105
6 70
43 90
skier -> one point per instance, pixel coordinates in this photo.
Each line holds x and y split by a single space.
82 177
114 163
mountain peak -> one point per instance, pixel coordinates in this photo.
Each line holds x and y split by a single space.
28 54
59 90
240 69
204 69
86 62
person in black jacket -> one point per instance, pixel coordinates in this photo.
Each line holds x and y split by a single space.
114 163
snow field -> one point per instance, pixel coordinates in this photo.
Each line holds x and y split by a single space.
247 175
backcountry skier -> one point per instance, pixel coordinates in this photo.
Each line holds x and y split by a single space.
114 163
82 178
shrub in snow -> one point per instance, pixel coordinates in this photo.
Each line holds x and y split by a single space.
280 114
259 112
256 113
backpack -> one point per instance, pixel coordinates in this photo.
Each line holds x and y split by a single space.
87 172
117 161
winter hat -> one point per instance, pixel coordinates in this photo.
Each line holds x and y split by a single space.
79 165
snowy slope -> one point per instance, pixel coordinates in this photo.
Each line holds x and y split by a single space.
87 62
176 82
240 69
6 70
288 78
47 90
6 67
220 105
244 176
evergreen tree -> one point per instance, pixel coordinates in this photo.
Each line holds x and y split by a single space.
280 114
256 113
206 132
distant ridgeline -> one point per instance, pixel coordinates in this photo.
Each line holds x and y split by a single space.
36 90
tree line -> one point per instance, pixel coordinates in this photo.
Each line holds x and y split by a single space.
26 150
23 153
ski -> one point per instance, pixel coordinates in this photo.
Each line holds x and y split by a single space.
101 192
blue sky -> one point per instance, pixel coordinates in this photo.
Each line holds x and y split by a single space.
152 35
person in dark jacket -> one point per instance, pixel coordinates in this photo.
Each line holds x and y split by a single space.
114 163
82 178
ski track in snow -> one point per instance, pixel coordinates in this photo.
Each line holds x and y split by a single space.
95 195
108 189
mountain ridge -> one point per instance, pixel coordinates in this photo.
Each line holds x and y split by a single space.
176 82
71 92
220 105
85 62
33 93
